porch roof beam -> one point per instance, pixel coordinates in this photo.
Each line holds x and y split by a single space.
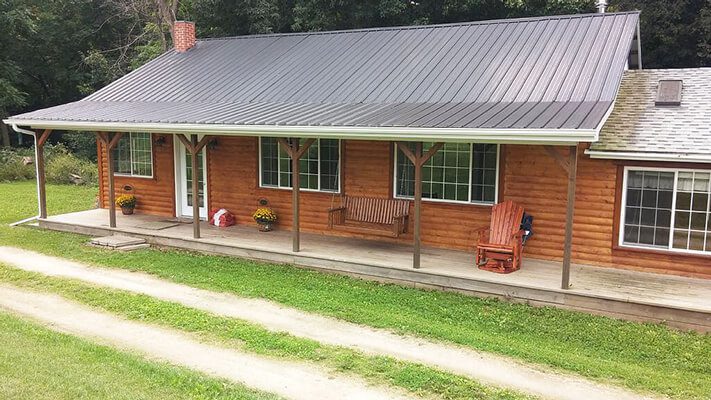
194 148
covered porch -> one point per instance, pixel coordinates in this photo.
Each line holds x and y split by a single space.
678 301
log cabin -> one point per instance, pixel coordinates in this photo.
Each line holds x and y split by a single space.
554 113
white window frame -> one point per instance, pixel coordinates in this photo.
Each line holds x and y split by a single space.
319 190
623 206
130 147
478 203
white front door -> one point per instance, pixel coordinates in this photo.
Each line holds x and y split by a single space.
184 182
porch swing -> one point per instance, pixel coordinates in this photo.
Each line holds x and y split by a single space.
368 215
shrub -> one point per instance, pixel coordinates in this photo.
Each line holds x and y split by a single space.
64 167
61 166
12 167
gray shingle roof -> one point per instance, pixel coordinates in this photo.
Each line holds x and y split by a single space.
558 72
636 125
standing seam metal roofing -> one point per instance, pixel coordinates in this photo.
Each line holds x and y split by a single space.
559 72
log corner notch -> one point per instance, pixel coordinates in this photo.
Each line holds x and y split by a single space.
109 142
571 167
295 151
418 159
195 146
40 140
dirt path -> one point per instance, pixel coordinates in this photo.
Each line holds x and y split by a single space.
481 366
289 379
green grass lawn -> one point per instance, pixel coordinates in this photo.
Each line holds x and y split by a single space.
36 363
417 379
645 357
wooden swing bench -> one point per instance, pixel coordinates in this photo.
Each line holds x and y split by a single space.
369 215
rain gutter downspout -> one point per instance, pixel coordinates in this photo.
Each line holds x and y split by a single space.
34 135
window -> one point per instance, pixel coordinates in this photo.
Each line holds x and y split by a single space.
318 168
458 172
133 155
667 209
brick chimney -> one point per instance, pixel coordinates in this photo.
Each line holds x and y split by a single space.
183 36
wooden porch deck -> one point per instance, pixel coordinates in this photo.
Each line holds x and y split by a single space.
677 301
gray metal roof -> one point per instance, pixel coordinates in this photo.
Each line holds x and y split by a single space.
559 72
637 125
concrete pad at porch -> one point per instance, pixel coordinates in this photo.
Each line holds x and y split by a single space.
678 301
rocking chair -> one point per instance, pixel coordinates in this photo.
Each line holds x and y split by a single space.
500 245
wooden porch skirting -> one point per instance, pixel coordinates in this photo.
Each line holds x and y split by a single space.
655 298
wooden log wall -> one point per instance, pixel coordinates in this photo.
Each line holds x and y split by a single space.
529 176
154 195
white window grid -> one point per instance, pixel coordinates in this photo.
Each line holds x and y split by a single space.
134 155
673 224
310 167
462 153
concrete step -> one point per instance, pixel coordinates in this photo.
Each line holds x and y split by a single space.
120 242
134 247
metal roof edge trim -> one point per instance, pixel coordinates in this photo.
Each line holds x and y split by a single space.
428 26
648 156
542 136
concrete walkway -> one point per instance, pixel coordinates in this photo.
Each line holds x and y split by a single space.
291 380
480 366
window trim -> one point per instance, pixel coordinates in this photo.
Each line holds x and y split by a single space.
279 187
130 147
623 208
473 203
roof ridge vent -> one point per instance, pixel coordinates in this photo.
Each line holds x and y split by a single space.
669 92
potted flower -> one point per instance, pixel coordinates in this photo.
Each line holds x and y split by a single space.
127 202
265 217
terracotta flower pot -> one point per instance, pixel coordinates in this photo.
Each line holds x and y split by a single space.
127 210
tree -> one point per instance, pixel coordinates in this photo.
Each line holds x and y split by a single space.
704 47
15 22
672 31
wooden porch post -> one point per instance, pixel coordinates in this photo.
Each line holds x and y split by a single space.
418 160
295 152
196 187
569 213
41 184
109 143
571 167
193 146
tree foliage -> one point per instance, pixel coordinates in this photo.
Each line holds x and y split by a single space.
56 51
674 33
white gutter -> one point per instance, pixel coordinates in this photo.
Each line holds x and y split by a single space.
34 135
517 136
649 156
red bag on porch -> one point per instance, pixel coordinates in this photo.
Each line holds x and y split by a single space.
221 217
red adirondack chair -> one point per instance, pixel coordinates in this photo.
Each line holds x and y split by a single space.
500 245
